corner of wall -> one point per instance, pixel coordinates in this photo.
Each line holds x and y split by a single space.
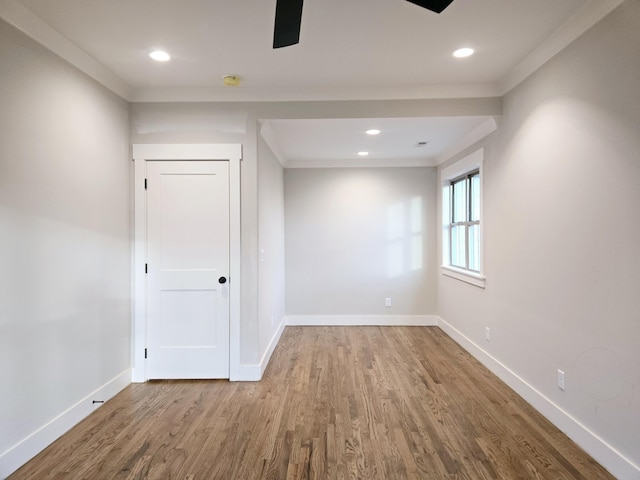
254 372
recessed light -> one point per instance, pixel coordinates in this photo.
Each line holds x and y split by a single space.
160 56
373 131
363 154
463 52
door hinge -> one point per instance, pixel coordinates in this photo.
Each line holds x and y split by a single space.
145 353
145 183
146 268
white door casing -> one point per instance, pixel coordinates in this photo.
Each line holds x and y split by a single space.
144 154
187 269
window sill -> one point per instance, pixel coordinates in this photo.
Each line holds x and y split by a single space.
466 276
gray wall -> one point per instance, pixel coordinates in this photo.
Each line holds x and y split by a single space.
228 122
271 283
562 229
65 287
357 236
561 194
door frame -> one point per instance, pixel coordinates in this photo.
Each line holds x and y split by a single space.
177 152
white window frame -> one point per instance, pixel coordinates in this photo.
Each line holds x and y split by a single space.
465 166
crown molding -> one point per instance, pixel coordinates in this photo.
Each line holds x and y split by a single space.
298 94
31 25
578 24
21 18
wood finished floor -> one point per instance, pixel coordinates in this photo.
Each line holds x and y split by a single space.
335 402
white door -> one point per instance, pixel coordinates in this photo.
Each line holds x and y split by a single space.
187 269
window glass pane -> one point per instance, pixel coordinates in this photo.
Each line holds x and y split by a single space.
461 206
458 251
474 247
475 197
460 201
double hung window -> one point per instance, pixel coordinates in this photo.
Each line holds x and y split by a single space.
462 217
464 222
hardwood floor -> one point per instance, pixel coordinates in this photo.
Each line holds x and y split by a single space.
335 402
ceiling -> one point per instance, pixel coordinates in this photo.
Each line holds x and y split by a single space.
349 49
336 142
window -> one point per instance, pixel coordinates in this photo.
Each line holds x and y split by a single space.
464 222
461 215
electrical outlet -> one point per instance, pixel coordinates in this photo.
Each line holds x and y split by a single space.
560 379
387 302
487 334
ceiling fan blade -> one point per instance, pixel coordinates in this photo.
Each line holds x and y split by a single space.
287 26
433 5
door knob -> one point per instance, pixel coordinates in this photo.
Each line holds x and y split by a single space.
222 280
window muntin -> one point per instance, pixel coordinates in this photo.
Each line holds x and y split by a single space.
464 222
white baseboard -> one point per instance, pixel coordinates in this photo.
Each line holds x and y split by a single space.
362 320
254 372
620 466
29 447
272 346
248 372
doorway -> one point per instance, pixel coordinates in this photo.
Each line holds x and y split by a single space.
186 268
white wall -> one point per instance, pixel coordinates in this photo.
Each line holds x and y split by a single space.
271 283
562 229
64 245
357 236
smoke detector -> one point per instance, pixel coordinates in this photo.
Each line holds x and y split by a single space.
231 80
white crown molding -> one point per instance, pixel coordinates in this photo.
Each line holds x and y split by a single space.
296 94
21 18
579 23
31 25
